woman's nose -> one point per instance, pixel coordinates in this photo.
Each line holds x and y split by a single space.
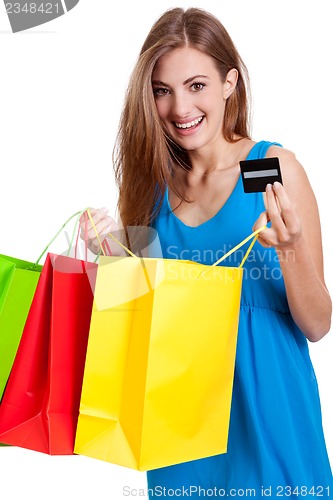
182 106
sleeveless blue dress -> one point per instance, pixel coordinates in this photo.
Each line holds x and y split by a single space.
276 445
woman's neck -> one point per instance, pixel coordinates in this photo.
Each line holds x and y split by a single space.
224 155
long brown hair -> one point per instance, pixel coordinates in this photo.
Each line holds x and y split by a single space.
144 156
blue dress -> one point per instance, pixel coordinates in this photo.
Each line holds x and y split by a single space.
276 445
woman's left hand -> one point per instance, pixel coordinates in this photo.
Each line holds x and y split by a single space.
295 233
286 226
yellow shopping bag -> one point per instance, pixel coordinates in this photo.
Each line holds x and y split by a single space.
160 361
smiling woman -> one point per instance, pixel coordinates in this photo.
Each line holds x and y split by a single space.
214 76
183 132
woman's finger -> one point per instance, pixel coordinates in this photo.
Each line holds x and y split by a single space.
96 214
287 210
101 228
262 220
273 210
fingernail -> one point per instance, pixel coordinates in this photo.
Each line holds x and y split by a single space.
277 185
269 187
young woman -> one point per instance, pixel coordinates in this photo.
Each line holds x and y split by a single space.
183 132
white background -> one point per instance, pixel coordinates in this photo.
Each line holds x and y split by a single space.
62 86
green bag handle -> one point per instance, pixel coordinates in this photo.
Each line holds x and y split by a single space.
78 215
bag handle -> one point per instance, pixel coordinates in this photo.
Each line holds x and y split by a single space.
111 236
78 215
254 235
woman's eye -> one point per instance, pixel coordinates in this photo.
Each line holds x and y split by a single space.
161 91
197 86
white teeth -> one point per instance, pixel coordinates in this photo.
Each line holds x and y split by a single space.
189 124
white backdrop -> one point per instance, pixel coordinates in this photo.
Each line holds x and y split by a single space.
62 86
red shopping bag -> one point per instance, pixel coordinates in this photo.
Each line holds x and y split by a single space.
40 407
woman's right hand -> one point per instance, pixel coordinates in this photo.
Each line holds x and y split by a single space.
104 224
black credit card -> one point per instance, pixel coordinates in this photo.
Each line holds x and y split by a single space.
256 174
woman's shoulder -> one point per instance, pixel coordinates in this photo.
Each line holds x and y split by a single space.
291 169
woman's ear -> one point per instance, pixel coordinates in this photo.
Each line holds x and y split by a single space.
230 83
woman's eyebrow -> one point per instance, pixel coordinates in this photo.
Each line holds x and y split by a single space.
189 80
158 82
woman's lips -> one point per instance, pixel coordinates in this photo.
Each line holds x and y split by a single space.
188 127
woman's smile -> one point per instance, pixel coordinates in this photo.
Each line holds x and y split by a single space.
189 127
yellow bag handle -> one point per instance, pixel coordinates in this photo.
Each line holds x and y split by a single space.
111 236
122 246
254 235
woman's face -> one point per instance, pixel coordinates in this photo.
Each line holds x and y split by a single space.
190 97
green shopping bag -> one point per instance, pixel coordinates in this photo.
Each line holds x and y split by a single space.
18 282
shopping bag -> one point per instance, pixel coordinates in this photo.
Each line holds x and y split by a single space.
40 405
160 361
18 281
